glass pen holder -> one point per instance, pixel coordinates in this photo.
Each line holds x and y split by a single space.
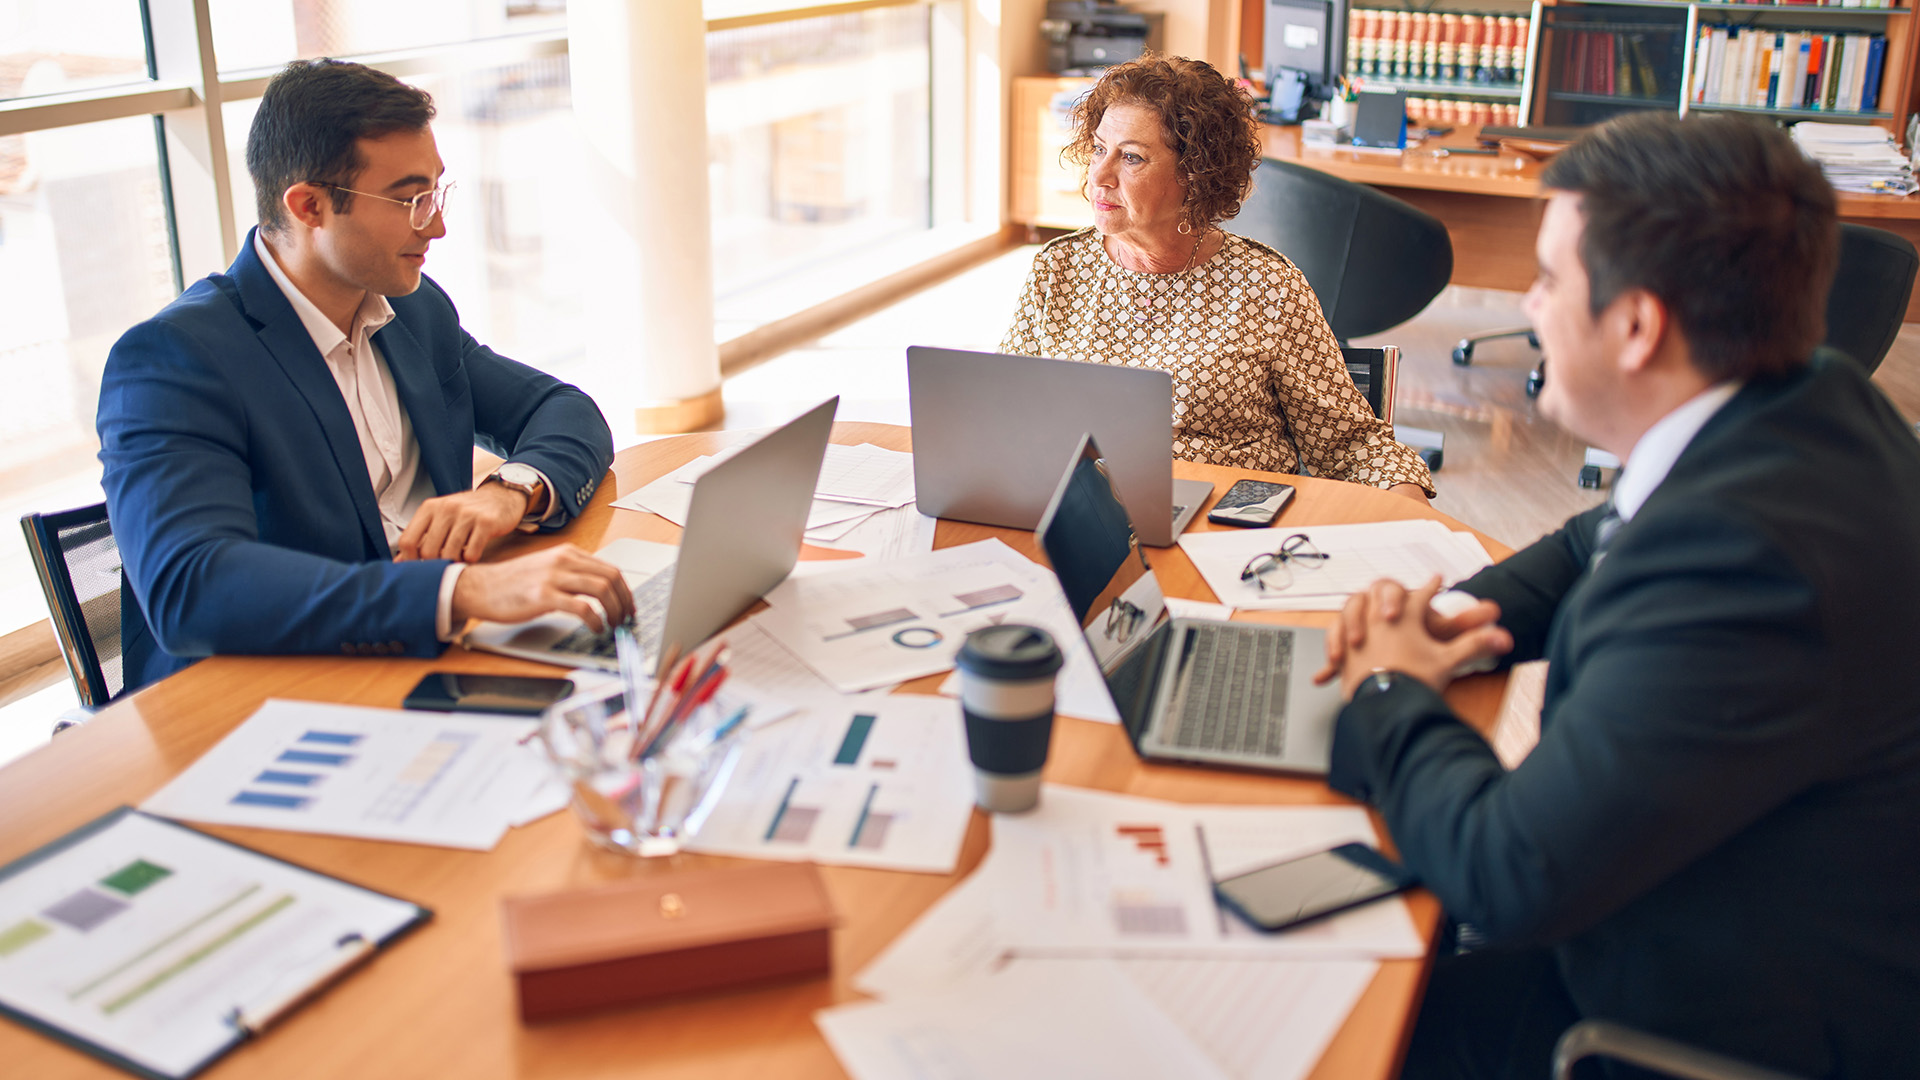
637 791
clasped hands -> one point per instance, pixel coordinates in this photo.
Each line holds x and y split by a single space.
558 578
1387 627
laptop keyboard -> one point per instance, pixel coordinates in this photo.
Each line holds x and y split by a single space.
649 619
1233 693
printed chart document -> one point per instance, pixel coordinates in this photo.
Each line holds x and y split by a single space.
1042 1021
1090 872
857 781
875 625
1410 552
447 779
151 945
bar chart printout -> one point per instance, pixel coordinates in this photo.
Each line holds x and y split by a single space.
139 937
867 782
380 774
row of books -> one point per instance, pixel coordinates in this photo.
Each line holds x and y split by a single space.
1454 112
1788 69
1443 47
1613 62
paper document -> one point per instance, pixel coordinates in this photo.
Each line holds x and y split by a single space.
889 534
1093 873
141 938
1041 1022
873 624
1410 552
380 774
866 781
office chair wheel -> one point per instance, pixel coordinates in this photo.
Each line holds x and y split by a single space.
1589 476
1463 353
1535 380
1432 456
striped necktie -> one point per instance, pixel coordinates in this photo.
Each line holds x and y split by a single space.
1603 533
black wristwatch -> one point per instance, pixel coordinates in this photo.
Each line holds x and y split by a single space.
1379 681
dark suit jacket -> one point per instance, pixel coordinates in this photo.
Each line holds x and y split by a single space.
1719 831
238 493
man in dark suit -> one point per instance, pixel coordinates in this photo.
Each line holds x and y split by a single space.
1717 838
288 446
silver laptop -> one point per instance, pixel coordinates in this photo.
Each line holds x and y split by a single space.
1189 690
990 430
745 526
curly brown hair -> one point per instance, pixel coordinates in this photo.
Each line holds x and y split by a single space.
1207 120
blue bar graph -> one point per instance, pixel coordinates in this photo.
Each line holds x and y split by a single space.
267 798
331 738
855 740
297 779
313 757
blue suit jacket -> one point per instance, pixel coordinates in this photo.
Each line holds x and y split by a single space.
238 493
1719 831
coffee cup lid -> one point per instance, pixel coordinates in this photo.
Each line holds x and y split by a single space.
1009 651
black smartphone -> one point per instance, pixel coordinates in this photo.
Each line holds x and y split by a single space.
515 695
1253 503
1312 886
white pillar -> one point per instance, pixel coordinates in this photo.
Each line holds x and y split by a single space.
639 73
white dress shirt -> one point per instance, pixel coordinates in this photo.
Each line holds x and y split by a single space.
400 485
1653 456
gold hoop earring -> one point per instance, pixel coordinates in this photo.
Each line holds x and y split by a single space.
1185 228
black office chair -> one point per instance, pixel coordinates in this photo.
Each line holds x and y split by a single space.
1871 285
1373 261
1599 1038
79 567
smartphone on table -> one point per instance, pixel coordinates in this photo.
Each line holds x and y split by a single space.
1252 503
513 695
1310 887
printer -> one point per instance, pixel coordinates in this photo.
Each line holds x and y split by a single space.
1086 36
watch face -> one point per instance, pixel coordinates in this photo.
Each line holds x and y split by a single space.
515 473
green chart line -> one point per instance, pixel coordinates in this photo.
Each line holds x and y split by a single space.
164 942
198 955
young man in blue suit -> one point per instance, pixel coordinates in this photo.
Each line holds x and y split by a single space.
1717 838
288 446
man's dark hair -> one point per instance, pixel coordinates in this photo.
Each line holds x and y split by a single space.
311 116
1720 217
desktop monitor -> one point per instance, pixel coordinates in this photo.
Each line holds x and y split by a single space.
1305 55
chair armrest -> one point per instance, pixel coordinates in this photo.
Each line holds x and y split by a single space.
1599 1038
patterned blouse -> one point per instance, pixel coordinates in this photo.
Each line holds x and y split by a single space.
1256 370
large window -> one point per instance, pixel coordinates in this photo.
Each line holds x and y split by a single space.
821 140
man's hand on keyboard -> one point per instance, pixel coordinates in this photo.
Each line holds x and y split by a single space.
559 578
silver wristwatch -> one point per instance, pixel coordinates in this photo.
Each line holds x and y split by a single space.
524 479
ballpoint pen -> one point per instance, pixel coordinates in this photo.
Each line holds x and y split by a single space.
258 1015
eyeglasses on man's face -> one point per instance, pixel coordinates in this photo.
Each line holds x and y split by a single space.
1274 569
421 209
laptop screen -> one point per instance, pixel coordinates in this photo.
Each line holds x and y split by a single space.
1090 541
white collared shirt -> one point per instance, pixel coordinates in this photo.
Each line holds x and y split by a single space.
392 453
1653 456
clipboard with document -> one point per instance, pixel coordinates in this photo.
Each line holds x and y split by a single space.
158 948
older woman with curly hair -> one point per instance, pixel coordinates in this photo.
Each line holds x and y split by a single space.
1169 146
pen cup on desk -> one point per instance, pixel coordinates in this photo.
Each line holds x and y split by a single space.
1006 695
637 791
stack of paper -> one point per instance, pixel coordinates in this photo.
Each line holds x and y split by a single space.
1409 552
1856 157
856 483
1090 886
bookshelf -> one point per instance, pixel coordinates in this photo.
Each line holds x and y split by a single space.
1593 60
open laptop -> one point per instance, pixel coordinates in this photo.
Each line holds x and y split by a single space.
744 529
1197 691
989 431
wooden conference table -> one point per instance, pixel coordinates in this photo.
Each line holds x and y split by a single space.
441 1002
